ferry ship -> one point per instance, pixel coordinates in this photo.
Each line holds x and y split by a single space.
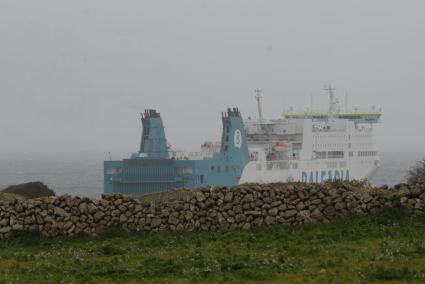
301 146
312 146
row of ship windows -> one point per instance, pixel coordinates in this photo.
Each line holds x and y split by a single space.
364 135
217 169
278 166
340 154
334 164
145 172
331 136
214 169
367 153
359 135
329 155
287 166
341 145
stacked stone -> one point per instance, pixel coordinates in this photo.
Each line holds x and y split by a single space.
208 209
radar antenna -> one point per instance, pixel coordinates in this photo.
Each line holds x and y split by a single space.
258 97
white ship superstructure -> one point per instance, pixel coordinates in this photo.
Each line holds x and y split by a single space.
312 146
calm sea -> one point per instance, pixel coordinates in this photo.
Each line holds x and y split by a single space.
83 175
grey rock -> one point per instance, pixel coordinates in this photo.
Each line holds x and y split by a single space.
339 206
99 215
290 213
300 206
18 227
273 211
83 207
123 218
173 220
228 197
270 220
60 212
253 213
240 218
199 196
92 208
5 230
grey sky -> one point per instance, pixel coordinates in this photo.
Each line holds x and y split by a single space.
74 75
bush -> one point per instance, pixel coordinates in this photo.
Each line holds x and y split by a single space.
30 190
417 173
9 196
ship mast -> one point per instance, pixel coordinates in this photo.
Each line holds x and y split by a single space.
333 103
258 97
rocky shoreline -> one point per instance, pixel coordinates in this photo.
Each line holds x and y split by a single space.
208 209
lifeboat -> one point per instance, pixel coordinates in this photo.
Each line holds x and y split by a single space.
210 146
282 146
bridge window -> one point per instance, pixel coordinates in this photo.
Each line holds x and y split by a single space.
367 153
320 155
185 170
114 171
335 154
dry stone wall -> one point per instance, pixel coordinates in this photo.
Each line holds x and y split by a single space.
209 209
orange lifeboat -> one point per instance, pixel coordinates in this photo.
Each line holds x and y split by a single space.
282 146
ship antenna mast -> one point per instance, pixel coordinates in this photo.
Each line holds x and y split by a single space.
258 97
332 102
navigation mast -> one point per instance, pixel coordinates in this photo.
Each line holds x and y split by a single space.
258 97
333 103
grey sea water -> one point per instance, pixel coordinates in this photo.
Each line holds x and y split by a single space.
83 174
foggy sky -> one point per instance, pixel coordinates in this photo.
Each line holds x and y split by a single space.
74 75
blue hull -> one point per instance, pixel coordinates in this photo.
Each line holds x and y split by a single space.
151 170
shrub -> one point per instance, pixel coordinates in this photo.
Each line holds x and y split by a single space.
417 173
30 190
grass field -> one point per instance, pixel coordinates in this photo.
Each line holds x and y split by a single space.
387 247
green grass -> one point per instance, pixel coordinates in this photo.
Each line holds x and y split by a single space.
386 247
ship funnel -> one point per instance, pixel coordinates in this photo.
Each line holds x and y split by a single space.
233 139
153 143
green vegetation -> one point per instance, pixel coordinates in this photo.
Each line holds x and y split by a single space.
9 196
386 247
416 174
26 191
